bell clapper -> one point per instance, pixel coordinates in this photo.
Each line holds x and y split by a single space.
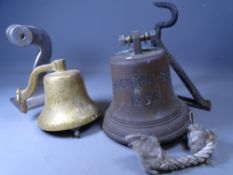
191 117
76 133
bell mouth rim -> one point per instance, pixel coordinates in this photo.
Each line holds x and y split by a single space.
65 127
166 119
153 126
162 139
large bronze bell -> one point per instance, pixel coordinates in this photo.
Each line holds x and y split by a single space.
144 101
67 104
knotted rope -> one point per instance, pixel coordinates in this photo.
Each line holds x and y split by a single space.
155 160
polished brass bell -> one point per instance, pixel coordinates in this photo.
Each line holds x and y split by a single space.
67 104
143 100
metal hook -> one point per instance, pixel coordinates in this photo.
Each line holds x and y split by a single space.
23 36
154 36
169 23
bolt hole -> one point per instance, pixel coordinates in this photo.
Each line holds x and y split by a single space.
21 36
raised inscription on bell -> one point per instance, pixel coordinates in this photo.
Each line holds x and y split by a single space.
134 81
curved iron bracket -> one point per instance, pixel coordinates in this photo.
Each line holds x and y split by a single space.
198 101
23 36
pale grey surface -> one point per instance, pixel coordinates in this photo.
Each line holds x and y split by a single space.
25 149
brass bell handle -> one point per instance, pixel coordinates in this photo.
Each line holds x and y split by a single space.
23 94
